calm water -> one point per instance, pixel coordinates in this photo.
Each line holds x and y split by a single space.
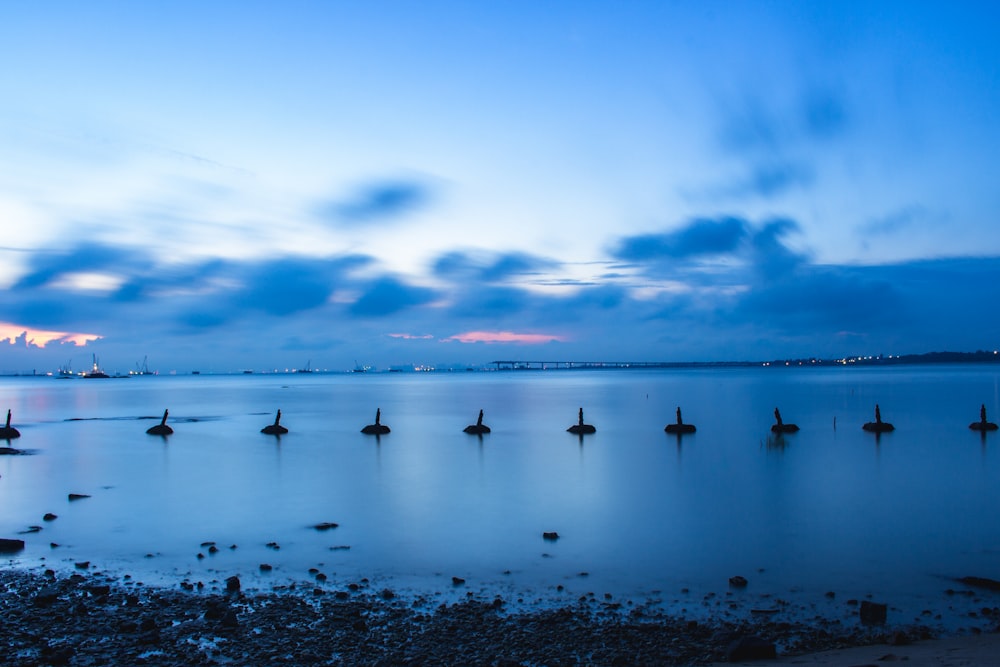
644 514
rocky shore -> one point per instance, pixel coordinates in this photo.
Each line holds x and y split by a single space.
87 618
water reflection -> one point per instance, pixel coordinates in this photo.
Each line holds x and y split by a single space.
819 514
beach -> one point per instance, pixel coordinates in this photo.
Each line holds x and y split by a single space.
88 618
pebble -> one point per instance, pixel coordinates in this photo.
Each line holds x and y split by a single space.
42 613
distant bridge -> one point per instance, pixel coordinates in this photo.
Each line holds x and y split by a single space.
525 365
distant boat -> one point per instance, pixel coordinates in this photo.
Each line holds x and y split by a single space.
359 368
249 372
67 370
195 372
96 371
143 369
307 369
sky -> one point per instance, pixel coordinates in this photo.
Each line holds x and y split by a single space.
236 185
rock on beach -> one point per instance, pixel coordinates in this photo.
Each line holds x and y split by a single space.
107 622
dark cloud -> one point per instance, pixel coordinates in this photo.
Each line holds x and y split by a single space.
52 311
47 267
387 296
200 295
234 291
489 267
715 253
771 257
699 237
287 286
825 300
384 201
716 288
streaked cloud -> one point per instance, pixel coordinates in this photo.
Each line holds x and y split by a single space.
408 336
491 266
377 202
505 337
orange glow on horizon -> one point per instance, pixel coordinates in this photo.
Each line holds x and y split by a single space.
505 337
39 338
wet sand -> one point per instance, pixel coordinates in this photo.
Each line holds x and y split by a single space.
971 651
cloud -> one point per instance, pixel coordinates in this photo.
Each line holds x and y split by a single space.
287 286
387 296
774 178
490 337
712 288
824 114
204 294
48 267
408 336
777 144
826 299
721 253
379 202
489 267
18 335
903 219
755 126
771 257
697 238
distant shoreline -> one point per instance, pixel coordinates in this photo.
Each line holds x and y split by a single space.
978 357
927 358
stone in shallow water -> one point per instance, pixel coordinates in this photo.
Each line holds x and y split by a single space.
872 613
326 525
8 546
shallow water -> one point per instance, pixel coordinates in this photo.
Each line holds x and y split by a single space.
644 514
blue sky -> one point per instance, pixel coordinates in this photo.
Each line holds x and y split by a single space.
247 185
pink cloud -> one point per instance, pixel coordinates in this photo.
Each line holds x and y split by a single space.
505 337
18 335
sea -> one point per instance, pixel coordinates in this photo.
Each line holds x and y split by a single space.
814 520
